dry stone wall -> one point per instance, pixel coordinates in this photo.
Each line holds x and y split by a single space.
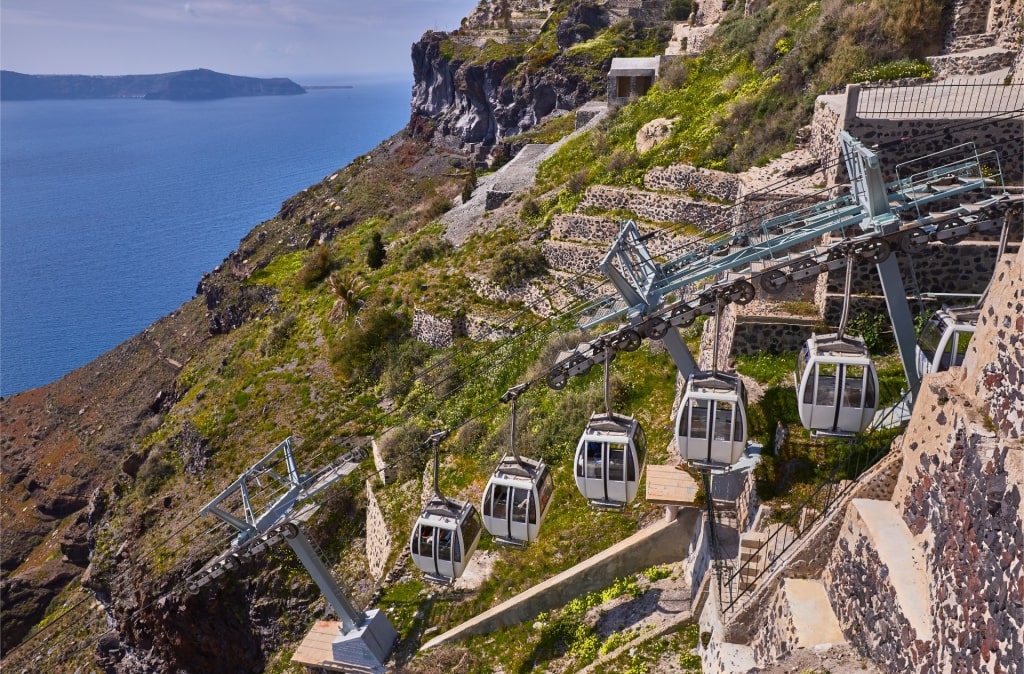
686 178
439 333
571 256
657 207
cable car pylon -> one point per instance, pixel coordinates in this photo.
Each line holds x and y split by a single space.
366 638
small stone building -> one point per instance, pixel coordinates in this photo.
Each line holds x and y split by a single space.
630 78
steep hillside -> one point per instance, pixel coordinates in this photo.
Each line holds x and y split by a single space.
349 316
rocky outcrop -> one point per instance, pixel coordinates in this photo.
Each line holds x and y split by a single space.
461 102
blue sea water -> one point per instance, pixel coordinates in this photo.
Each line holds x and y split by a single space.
111 210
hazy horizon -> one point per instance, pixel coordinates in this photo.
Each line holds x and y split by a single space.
237 37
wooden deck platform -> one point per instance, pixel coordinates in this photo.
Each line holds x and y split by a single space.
667 485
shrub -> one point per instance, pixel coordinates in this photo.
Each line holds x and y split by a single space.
423 251
679 10
515 264
375 252
364 350
278 335
893 70
401 447
316 266
348 289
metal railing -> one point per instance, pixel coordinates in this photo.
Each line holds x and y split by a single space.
959 99
790 526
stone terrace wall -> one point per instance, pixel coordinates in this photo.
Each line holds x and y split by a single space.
770 336
965 267
439 333
589 228
657 207
686 178
572 256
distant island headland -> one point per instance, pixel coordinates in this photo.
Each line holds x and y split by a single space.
184 85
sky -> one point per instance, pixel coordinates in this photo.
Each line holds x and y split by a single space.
301 39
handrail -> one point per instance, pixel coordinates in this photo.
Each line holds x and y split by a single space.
789 530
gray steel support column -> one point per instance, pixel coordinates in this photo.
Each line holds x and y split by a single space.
902 320
680 353
350 618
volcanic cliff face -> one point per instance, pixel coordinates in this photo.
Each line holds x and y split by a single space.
464 99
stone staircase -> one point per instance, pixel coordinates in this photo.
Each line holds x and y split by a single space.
800 617
982 40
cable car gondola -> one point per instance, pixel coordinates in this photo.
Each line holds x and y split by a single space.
943 341
446 533
610 455
518 493
838 387
711 422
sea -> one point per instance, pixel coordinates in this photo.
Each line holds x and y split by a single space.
112 210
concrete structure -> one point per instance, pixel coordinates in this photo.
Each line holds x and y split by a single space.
630 78
361 651
657 544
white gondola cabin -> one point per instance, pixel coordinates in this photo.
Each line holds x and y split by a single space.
444 538
838 387
610 459
943 341
516 500
711 422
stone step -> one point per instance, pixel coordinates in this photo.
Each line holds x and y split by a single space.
814 621
965 43
972 62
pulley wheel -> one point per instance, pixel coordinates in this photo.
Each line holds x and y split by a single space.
773 281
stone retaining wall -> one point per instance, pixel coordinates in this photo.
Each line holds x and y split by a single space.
439 333
378 538
572 257
685 178
1006 20
657 207
777 336
969 17
589 228
959 65
896 140
961 268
